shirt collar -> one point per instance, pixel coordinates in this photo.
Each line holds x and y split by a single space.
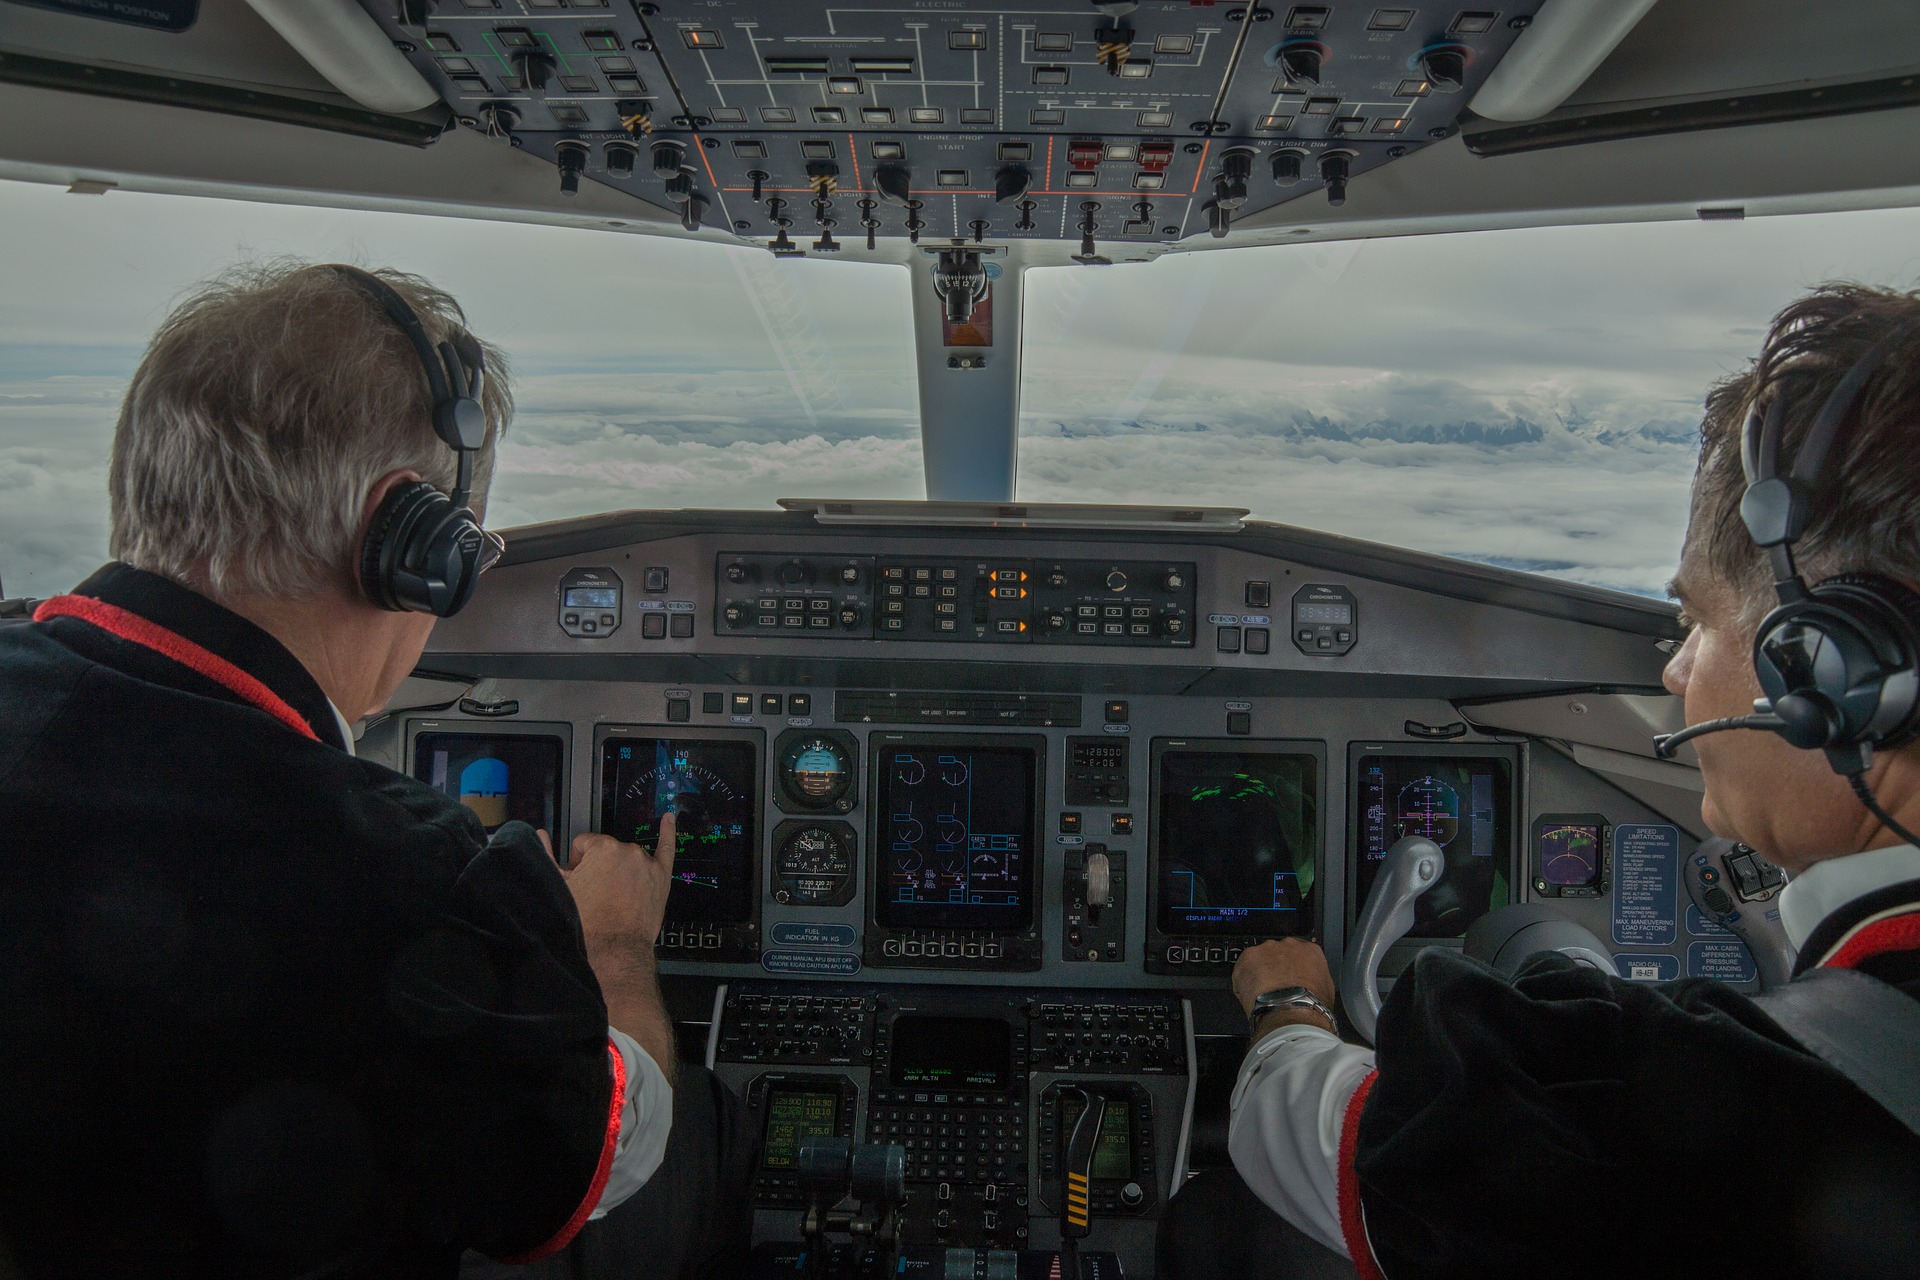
215 627
1828 886
346 729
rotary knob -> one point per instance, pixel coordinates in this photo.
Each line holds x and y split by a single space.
794 573
738 572
1131 1194
1173 581
1116 581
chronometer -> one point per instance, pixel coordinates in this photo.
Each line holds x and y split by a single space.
1287 998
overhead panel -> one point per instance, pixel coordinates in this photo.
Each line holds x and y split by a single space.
816 127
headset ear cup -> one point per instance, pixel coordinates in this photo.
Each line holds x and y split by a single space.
384 552
1843 664
1888 616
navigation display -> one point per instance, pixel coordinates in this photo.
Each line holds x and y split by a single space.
711 785
1464 804
1235 833
796 1112
954 836
952 1053
501 777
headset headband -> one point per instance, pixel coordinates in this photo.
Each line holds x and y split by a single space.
1775 507
456 375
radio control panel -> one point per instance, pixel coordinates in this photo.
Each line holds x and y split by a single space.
1131 603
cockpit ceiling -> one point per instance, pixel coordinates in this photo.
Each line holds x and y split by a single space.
811 123
1099 131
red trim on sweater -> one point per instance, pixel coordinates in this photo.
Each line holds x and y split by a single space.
135 629
1896 933
608 1146
1353 1225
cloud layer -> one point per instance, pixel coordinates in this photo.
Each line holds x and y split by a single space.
1523 398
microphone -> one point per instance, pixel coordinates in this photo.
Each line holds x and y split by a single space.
1666 744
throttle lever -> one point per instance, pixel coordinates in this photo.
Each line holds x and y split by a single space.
1411 867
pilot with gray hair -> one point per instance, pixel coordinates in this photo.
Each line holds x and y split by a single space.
1571 1123
270 1009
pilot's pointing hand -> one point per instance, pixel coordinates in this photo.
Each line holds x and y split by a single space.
621 892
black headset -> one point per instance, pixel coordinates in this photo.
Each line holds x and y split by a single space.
1839 662
424 550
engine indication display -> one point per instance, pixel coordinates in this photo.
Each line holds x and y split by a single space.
955 836
815 771
1464 804
813 864
710 785
1236 830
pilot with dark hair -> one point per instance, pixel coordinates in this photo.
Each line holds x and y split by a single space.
267 1009
1570 1123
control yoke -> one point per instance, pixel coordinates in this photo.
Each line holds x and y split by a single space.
1412 867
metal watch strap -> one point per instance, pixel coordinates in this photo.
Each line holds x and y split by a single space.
1287 998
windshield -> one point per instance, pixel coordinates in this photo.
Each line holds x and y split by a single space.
1527 398
648 372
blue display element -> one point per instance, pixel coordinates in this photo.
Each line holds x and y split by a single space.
828 964
1646 884
1700 926
1728 961
1647 968
814 935
484 777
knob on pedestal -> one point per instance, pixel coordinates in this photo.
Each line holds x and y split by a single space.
1131 1194
739 571
794 573
1116 581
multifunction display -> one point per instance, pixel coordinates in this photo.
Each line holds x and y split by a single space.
954 835
712 787
1136 603
1569 855
1235 832
952 1053
1461 802
501 777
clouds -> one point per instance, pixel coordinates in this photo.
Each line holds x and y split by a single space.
1526 398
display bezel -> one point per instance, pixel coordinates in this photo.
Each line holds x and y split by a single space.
1214 952
937 919
698 940
784 796
1515 758
1545 888
562 734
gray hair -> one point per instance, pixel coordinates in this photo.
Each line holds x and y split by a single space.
267 407
1866 511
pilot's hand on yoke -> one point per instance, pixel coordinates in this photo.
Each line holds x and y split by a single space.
1283 962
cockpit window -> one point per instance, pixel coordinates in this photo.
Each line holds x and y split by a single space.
1525 398
649 372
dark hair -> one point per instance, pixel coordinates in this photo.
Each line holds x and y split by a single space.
1865 515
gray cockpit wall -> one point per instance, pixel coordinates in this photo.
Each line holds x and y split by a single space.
1706 108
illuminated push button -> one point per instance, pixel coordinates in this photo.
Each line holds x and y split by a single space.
653 626
743 704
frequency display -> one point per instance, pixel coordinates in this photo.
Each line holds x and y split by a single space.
952 1053
1462 803
955 836
501 777
795 1113
710 785
1234 839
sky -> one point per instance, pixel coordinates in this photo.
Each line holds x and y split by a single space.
1525 398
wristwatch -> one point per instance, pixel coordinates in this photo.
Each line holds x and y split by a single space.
1287 998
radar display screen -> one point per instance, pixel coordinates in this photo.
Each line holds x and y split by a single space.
952 1053
1234 839
796 1112
954 836
1462 803
710 785
1570 855
1113 1154
501 777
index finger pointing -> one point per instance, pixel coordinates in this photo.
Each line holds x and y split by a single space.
663 850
